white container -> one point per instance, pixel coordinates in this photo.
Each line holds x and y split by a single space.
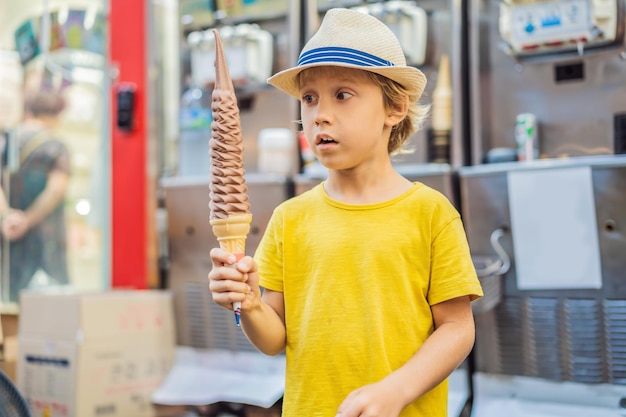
278 151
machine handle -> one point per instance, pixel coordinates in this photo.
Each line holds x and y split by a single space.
503 264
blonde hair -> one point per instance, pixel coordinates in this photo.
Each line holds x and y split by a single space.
395 95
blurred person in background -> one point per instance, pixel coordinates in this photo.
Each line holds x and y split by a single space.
33 220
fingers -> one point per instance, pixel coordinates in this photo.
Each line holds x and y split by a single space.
371 400
225 294
220 257
225 289
228 279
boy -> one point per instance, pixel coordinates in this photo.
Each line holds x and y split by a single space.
367 277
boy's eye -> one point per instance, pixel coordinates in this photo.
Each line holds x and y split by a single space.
344 95
307 98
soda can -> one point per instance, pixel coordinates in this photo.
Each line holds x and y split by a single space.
526 137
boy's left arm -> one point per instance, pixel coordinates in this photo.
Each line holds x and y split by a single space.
438 357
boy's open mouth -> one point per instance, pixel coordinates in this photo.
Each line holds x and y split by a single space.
325 140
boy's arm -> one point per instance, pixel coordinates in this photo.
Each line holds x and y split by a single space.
262 315
438 357
442 352
264 325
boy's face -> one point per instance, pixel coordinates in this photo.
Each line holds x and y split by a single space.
344 119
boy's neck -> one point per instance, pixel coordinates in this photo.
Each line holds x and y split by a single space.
365 188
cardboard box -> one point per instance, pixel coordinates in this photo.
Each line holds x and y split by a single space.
8 363
8 342
9 322
94 354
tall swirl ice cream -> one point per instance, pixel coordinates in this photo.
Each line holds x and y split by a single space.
230 210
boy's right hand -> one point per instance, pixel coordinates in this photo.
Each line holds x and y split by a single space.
231 281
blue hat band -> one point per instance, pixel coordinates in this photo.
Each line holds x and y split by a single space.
337 55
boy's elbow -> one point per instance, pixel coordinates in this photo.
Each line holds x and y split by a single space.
270 349
274 352
469 336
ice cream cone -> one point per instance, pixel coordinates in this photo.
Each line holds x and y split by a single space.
232 232
230 211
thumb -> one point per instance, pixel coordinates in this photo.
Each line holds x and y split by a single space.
249 267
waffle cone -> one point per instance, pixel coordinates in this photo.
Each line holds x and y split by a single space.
232 232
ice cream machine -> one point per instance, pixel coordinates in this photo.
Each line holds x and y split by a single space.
558 326
550 72
564 62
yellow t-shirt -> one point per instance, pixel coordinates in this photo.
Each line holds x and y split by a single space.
358 282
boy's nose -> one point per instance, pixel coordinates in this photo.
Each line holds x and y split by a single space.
323 112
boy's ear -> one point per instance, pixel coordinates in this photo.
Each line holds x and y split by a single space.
399 111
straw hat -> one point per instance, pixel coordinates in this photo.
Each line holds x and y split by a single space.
351 39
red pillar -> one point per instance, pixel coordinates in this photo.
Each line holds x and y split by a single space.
129 178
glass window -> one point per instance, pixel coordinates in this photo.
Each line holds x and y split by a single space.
54 200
